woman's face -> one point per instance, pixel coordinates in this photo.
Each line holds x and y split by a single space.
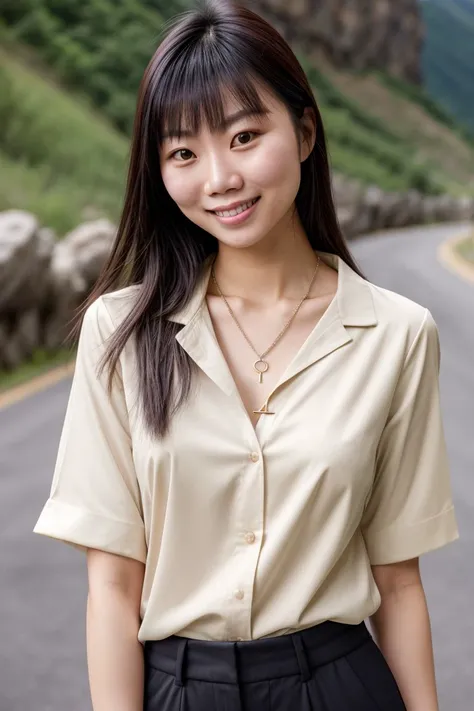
253 157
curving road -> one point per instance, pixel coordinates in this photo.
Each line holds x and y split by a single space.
43 583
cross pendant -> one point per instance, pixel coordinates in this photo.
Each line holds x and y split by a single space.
263 411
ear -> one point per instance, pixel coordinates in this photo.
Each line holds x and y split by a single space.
307 133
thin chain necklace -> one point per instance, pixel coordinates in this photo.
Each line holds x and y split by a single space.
261 366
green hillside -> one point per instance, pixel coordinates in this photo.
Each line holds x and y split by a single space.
100 47
448 56
59 158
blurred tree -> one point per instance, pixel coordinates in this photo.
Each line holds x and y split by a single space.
99 46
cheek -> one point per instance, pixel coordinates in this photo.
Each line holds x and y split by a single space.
277 167
184 192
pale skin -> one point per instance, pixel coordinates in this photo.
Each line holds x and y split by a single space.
264 267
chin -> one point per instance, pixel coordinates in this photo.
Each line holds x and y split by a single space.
239 241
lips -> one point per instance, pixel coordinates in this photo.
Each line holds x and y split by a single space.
246 204
237 217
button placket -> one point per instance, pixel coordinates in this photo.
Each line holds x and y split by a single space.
249 519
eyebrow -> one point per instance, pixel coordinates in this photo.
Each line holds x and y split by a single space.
227 122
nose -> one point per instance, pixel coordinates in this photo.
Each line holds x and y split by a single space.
222 176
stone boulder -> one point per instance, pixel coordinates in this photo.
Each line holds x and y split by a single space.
43 281
25 254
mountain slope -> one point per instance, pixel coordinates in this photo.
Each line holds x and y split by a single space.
59 158
448 55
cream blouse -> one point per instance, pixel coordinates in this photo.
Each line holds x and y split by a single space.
257 532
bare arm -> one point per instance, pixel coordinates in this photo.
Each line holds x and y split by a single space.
401 628
114 654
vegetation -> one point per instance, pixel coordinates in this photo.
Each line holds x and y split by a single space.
426 143
419 95
100 47
40 362
58 158
364 147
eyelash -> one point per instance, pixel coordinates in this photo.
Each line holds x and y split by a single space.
241 133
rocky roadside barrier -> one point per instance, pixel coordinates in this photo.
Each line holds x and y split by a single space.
43 279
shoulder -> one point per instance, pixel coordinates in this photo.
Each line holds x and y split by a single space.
114 306
400 316
108 311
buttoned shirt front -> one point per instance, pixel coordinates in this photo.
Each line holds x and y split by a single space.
256 532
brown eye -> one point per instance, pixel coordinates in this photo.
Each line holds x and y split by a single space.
181 150
245 133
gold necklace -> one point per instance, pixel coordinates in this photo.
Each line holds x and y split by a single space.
261 366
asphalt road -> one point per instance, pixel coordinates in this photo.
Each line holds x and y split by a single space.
43 582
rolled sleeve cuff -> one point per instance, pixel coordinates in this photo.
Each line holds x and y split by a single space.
83 529
397 543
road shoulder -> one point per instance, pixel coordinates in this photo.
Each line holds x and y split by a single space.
450 258
40 382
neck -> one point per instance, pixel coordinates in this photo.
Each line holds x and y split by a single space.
266 272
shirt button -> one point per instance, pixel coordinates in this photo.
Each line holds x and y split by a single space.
254 456
239 639
239 594
250 537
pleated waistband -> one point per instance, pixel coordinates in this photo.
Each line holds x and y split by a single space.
255 660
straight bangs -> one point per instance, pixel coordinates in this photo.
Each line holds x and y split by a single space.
193 87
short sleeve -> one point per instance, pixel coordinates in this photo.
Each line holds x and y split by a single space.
95 500
410 509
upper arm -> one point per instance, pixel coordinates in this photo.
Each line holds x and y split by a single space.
393 577
108 571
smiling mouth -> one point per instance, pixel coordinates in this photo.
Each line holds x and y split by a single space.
236 210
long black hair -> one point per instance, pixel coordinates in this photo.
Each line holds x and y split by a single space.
217 47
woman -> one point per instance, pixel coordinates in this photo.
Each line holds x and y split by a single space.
262 461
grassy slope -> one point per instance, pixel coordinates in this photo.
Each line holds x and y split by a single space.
58 157
448 56
435 142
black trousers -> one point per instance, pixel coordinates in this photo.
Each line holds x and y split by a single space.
329 667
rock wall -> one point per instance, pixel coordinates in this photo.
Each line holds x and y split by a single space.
43 280
357 34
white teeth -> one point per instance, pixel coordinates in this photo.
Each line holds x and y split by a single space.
238 210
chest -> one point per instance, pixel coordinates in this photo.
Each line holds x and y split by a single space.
259 345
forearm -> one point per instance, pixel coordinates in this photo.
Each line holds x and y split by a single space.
401 628
114 654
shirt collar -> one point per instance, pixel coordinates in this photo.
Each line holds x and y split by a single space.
353 296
